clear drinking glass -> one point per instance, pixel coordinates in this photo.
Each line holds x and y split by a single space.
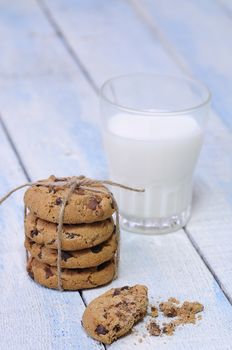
153 128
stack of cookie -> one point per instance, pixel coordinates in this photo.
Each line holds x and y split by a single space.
88 241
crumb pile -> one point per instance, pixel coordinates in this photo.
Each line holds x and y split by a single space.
181 314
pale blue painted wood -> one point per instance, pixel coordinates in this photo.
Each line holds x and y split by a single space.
108 38
226 6
29 52
201 31
55 117
169 267
40 86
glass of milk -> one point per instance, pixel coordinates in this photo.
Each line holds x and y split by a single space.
153 128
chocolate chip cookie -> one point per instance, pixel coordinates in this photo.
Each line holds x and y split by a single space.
74 237
84 258
84 205
72 279
114 313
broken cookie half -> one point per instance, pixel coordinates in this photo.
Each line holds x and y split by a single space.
114 313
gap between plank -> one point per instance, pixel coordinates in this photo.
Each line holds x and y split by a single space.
85 303
171 51
13 146
197 249
225 8
66 44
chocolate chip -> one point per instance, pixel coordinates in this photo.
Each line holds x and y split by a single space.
51 242
119 314
71 235
30 243
59 201
97 248
34 233
117 328
171 313
101 330
93 203
48 272
102 266
117 291
40 255
125 287
66 255
119 304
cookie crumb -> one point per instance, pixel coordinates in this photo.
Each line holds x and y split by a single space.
187 312
154 329
174 300
140 340
181 315
154 311
168 308
169 328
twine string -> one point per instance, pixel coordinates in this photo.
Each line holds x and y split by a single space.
76 182
14 190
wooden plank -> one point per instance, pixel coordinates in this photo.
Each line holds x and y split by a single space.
77 19
211 223
169 267
41 106
45 87
108 38
53 117
22 23
201 33
32 317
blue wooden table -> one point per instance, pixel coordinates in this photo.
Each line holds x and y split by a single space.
54 56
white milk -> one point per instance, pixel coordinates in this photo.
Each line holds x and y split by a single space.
158 153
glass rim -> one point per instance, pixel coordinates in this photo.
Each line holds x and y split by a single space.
154 112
